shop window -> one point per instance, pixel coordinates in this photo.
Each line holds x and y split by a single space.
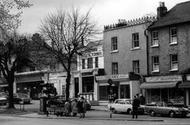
124 91
136 67
173 62
173 35
135 40
90 63
114 68
88 84
114 43
103 91
155 64
155 41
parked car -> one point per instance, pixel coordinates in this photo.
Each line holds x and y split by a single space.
168 109
21 98
123 106
3 98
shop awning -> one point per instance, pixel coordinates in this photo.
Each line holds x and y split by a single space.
185 85
157 85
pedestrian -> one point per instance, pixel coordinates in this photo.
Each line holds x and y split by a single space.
67 108
142 99
80 106
74 108
135 106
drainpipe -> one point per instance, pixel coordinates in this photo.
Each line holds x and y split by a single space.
147 50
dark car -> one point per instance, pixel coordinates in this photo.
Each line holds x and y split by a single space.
3 98
167 109
21 98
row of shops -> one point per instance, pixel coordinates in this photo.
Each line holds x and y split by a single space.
95 87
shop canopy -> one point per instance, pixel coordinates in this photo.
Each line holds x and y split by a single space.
185 85
157 85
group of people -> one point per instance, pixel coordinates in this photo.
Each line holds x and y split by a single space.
76 106
137 101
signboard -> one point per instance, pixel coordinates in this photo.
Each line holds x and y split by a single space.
94 54
118 76
164 78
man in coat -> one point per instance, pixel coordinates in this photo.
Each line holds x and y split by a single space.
135 106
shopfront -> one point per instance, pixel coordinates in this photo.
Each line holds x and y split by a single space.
122 87
163 89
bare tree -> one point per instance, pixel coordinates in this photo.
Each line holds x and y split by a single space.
67 33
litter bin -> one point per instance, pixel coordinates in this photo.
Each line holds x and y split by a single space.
43 104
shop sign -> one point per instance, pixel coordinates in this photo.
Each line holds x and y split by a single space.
119 76
164 78
94 54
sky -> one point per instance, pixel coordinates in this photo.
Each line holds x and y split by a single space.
103 12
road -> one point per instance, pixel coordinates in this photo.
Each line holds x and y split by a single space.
8 120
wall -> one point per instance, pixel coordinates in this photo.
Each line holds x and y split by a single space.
165 49
125 55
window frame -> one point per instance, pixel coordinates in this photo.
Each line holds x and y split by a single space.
173 63
173 37
136 66
155 64
114 68
96 62
154 40
90 63
114 43
135 40
83 64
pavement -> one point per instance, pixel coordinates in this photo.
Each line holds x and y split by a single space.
96 113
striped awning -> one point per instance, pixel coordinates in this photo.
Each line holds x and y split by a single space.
157 85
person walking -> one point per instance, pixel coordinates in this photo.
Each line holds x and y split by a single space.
135 106
80 106
74 108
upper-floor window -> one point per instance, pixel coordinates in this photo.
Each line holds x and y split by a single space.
155 41
136 67
173 35
155 64
174 62
135 40
90 63
114 68
96 62
114 43
83 63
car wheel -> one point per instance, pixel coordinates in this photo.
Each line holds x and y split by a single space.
172 114
152 113
129 111
114 111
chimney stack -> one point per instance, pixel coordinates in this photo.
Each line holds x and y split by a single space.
161 10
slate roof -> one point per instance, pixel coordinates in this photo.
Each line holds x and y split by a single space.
178 14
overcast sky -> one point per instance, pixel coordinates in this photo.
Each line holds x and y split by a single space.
104 12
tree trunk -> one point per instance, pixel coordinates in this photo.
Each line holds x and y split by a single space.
68 79
10 83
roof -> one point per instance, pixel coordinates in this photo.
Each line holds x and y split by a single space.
178 14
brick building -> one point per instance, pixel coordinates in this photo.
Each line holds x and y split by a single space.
169 54
124 51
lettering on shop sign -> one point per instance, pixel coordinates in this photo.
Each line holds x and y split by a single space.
164 78
120 76
94 54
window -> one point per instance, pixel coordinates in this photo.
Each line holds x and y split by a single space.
83 63
90 64
124 91
136 68
173 35
115 68
114 43
155 64
96 62
135 40
174 62
155 38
